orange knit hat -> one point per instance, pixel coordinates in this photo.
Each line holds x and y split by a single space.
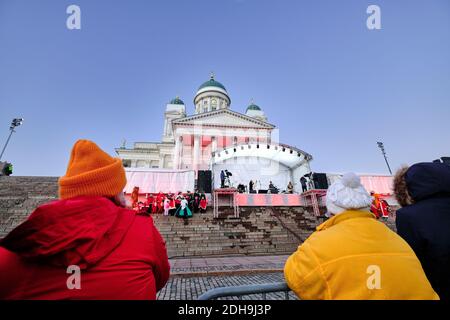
91 172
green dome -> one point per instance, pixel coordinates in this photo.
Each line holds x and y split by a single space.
177 100
212 83
253 107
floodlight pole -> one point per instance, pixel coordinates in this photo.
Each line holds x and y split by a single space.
15 123
6 144
381 146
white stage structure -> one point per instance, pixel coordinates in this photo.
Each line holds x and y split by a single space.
262 163
156 180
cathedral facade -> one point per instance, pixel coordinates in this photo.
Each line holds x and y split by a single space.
214 135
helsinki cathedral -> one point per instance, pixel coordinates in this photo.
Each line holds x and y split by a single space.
215 138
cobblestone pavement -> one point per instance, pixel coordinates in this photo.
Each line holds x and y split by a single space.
226 264
179 288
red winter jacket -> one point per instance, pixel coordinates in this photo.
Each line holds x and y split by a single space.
121 254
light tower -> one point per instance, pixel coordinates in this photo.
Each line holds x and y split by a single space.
381 146
15 123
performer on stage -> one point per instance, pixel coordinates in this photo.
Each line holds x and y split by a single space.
303 182
203 203
290 187
250 186
258 184
272 188
222 179
135 197
183 211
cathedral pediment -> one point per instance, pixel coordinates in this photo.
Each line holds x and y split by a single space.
223 118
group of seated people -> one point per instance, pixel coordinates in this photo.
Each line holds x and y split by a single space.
271 189
181 205
255 184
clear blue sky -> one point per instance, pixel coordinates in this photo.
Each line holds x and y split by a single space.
332 86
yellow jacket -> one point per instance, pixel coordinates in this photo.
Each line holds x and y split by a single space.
353 256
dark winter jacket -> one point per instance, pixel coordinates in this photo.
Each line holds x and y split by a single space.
120 255
425 224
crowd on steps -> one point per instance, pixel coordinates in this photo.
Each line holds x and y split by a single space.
93 231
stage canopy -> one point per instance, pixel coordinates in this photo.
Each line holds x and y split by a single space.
262 163
156 180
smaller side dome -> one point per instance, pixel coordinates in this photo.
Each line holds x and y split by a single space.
253 107
255 111
177 100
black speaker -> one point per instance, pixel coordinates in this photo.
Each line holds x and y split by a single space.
204 181
320 181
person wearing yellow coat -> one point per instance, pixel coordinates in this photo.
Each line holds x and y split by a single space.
352 256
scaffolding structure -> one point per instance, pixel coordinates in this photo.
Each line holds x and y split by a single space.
230 193
315 199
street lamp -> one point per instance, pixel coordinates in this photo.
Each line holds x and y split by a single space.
381 146
15 123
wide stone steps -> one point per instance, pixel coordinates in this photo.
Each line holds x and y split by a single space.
256 231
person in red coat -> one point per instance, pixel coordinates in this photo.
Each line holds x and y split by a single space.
203 203
86 245
379 207
161 199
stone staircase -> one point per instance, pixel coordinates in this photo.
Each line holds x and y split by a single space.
19 196
256 232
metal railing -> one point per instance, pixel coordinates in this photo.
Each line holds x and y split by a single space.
239 291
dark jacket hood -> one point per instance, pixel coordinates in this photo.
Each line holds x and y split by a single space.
78 231
426 180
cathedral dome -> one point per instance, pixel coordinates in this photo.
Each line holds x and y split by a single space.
177 100
212 83
211 96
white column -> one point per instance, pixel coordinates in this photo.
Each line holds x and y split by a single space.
196 157
214 144
176 153
161 161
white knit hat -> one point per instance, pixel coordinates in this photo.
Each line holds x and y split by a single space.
346 194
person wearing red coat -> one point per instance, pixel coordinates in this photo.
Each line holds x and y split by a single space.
203 203
86 245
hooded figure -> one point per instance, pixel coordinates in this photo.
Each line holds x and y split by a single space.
86 245
423 191
354 256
